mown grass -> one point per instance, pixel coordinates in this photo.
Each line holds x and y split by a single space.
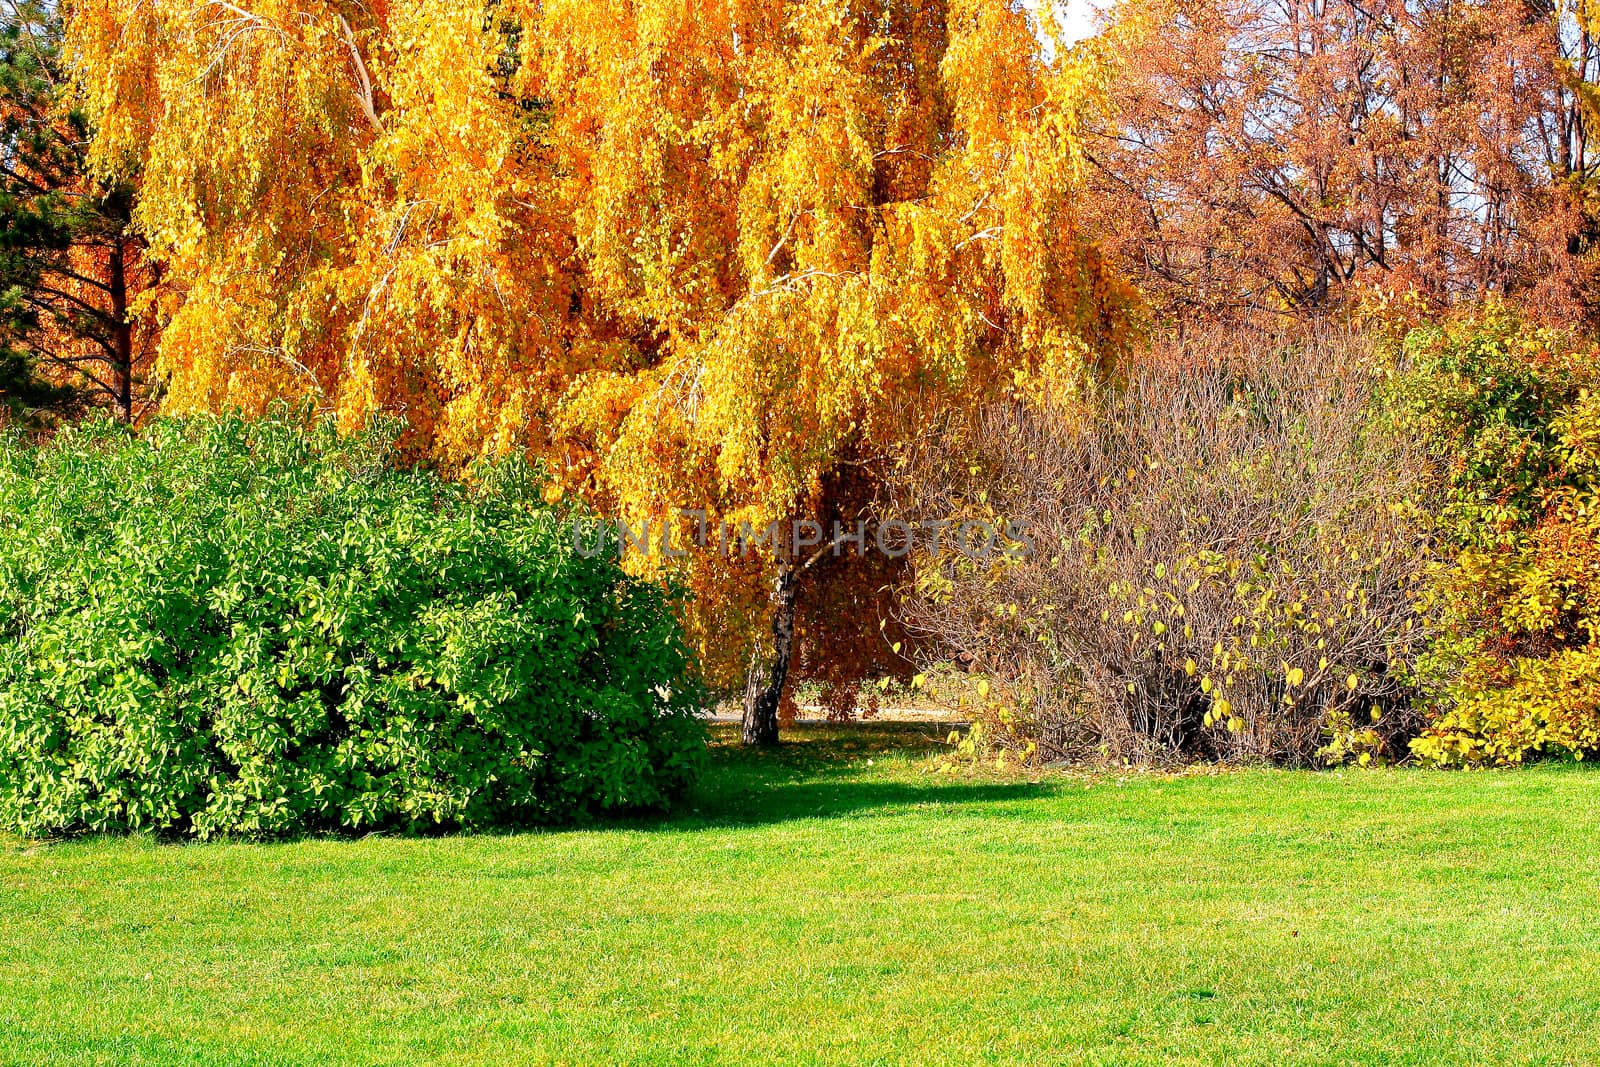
811 907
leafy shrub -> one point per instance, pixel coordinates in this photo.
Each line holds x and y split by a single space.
1530 707
1509 411
228 626
1227 553
1504 406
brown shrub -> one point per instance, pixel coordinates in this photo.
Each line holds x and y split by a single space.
1226 551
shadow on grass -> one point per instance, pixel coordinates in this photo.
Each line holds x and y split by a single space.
823 772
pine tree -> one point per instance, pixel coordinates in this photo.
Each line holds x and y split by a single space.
69 261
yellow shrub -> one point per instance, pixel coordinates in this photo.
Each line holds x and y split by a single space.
1515 672
1550 706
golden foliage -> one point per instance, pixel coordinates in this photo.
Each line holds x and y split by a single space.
690 254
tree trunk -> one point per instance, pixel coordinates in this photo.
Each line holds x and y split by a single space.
764 683
121 333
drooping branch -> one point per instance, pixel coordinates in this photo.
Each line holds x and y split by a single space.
364 88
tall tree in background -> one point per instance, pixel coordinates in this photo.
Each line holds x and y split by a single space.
1567 130
1285 155
70 264
714 255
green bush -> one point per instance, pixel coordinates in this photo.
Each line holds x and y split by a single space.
1485 393
223 626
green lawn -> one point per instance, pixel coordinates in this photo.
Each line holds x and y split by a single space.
818 908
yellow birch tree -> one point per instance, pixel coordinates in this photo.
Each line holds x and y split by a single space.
720 255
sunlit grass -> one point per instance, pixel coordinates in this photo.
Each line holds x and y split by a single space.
811 907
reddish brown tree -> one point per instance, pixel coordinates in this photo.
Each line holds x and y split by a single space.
1286 155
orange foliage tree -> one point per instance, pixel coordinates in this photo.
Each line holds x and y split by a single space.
1285 155
719 256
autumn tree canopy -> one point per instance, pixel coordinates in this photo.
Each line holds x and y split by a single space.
703 255
1287 155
